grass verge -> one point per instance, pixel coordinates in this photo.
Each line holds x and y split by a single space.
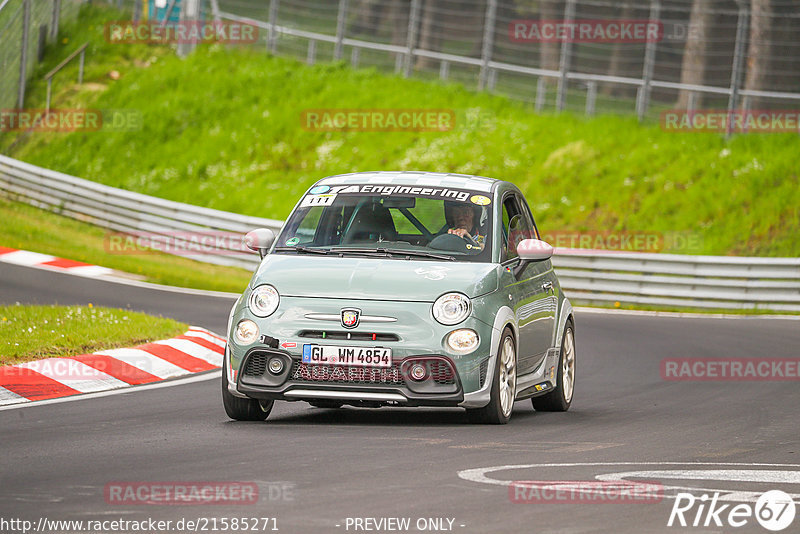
35 332
236 142
29 228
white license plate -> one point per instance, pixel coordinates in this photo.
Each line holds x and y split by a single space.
355 356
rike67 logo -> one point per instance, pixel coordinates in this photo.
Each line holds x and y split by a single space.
774 510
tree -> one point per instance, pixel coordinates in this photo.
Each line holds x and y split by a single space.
695 54
760 45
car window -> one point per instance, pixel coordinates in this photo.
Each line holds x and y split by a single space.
416 219
517 226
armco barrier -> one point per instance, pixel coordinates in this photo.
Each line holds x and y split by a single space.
123 211
586 276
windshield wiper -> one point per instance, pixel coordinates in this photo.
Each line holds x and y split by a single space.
421 254
393 252
307 250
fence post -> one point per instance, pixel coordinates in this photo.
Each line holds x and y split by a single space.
272 32
564 61
23 54
488 42
354 56
54 19
591 97
691 102
643 96
341 22
444 70
541 89
81 62
215 11
312 51
738 60
411 37
41 42
190 13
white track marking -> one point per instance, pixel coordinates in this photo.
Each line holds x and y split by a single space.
727 475
26 258
210 375
89 270
778 477
203 335
193 349
9 397
74 374
146 362
209 332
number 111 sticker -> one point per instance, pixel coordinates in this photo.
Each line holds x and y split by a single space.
317 200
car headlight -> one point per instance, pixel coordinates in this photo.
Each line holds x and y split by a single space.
451 308
264 301
246 332
462 341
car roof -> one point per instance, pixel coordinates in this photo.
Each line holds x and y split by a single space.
432 179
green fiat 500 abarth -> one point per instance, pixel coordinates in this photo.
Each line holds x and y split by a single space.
402 289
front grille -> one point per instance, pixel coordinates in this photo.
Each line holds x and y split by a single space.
339 374
256 365
353 336
441 372
484 368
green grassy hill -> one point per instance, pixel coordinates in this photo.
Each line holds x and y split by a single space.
223 129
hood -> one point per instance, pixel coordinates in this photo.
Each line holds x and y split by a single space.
373 278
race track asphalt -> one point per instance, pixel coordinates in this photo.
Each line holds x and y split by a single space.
318 467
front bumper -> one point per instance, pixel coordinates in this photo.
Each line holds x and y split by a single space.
413 334
349 385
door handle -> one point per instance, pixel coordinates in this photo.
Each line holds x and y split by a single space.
548 286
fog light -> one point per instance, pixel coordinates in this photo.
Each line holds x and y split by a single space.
275 365
246 332
462 341
418 372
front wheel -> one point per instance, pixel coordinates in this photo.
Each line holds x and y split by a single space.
560 398
243 409
504 386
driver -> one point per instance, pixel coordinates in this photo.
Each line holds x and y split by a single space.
464 224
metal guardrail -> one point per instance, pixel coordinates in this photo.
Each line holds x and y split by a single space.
125 211
587 276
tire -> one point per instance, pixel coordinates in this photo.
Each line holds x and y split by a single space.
326 404
560 398
243 409
504 386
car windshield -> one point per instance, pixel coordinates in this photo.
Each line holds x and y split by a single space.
391 221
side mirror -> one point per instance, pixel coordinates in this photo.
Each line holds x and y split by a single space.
530 250
260 240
